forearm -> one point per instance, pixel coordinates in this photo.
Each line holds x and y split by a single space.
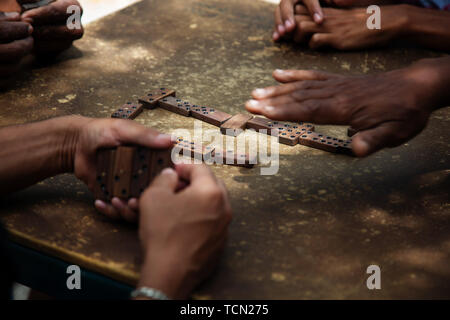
32 152
427 27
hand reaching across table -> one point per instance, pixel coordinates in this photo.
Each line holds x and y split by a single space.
387 109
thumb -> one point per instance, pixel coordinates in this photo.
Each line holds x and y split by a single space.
315 10
167 179
369 141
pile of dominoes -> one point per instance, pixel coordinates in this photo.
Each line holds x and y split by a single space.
126 171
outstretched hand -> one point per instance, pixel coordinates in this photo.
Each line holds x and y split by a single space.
387 109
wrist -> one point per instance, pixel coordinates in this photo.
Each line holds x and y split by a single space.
68 133
166 274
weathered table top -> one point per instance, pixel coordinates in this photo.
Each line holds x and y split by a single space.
308 232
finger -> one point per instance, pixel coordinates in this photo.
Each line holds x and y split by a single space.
315 11
14 30
197 175
167 180
53 13
9 16
255 105
55 33
287 14
371 140
319 40
320 111
125 212
107 209
301 10
132 132
48 49
286 88
16 50
278 21
296 75
133 203
308 27
300 35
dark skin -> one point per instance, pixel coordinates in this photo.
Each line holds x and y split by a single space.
41 31
15 42
388 109
182 231
345 29
51 34
286 25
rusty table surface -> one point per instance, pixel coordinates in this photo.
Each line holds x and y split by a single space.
309 231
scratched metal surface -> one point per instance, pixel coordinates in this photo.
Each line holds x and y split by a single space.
308 232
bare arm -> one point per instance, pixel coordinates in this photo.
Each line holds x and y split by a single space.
428 27
32 152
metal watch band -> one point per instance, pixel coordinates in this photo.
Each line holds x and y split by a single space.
149 293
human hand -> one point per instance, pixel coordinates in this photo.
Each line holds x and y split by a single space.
346 29
387 109
91 134
285 22
51 34
182 233
15 42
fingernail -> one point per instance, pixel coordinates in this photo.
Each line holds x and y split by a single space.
100 204
275 35
279 71
30 29
259 92
317 17
168 171
280 29
288 24
12 15
253 103
117 203
163 138
269 108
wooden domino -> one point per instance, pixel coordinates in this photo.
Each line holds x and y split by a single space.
260 123
235 125
141 167
33 5
193 149
103 183
351 131
150 101
229 157
175 105
161 159
126 171
345 147
122 171
128 111
210 115
320 141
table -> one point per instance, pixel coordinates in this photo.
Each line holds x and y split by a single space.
308 232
